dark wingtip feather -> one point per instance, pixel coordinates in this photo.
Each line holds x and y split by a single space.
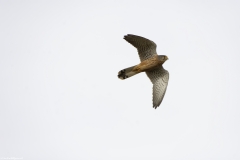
156 106
125 36
128 35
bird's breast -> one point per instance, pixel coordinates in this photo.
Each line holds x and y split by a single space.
147 64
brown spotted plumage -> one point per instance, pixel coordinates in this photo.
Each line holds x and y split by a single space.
151 63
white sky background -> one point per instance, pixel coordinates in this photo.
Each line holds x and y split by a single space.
60 97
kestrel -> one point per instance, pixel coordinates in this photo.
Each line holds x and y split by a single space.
151 63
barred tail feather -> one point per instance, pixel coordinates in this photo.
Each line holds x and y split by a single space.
126 73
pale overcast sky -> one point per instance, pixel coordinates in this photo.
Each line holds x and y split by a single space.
60 97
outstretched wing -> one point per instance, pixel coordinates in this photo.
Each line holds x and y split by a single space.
146 48
159 77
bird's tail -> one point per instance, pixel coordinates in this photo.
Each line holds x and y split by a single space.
127 72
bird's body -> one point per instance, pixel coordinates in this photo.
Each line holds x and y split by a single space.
151 63
148 64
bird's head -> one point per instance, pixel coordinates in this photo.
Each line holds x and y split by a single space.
162 58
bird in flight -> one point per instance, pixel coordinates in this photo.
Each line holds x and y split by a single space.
151 63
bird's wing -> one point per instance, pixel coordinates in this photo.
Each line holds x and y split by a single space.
159 77
146 48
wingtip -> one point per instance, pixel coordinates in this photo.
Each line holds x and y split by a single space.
125 36
128 35
155 106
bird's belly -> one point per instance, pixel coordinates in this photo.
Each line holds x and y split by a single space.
147 65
